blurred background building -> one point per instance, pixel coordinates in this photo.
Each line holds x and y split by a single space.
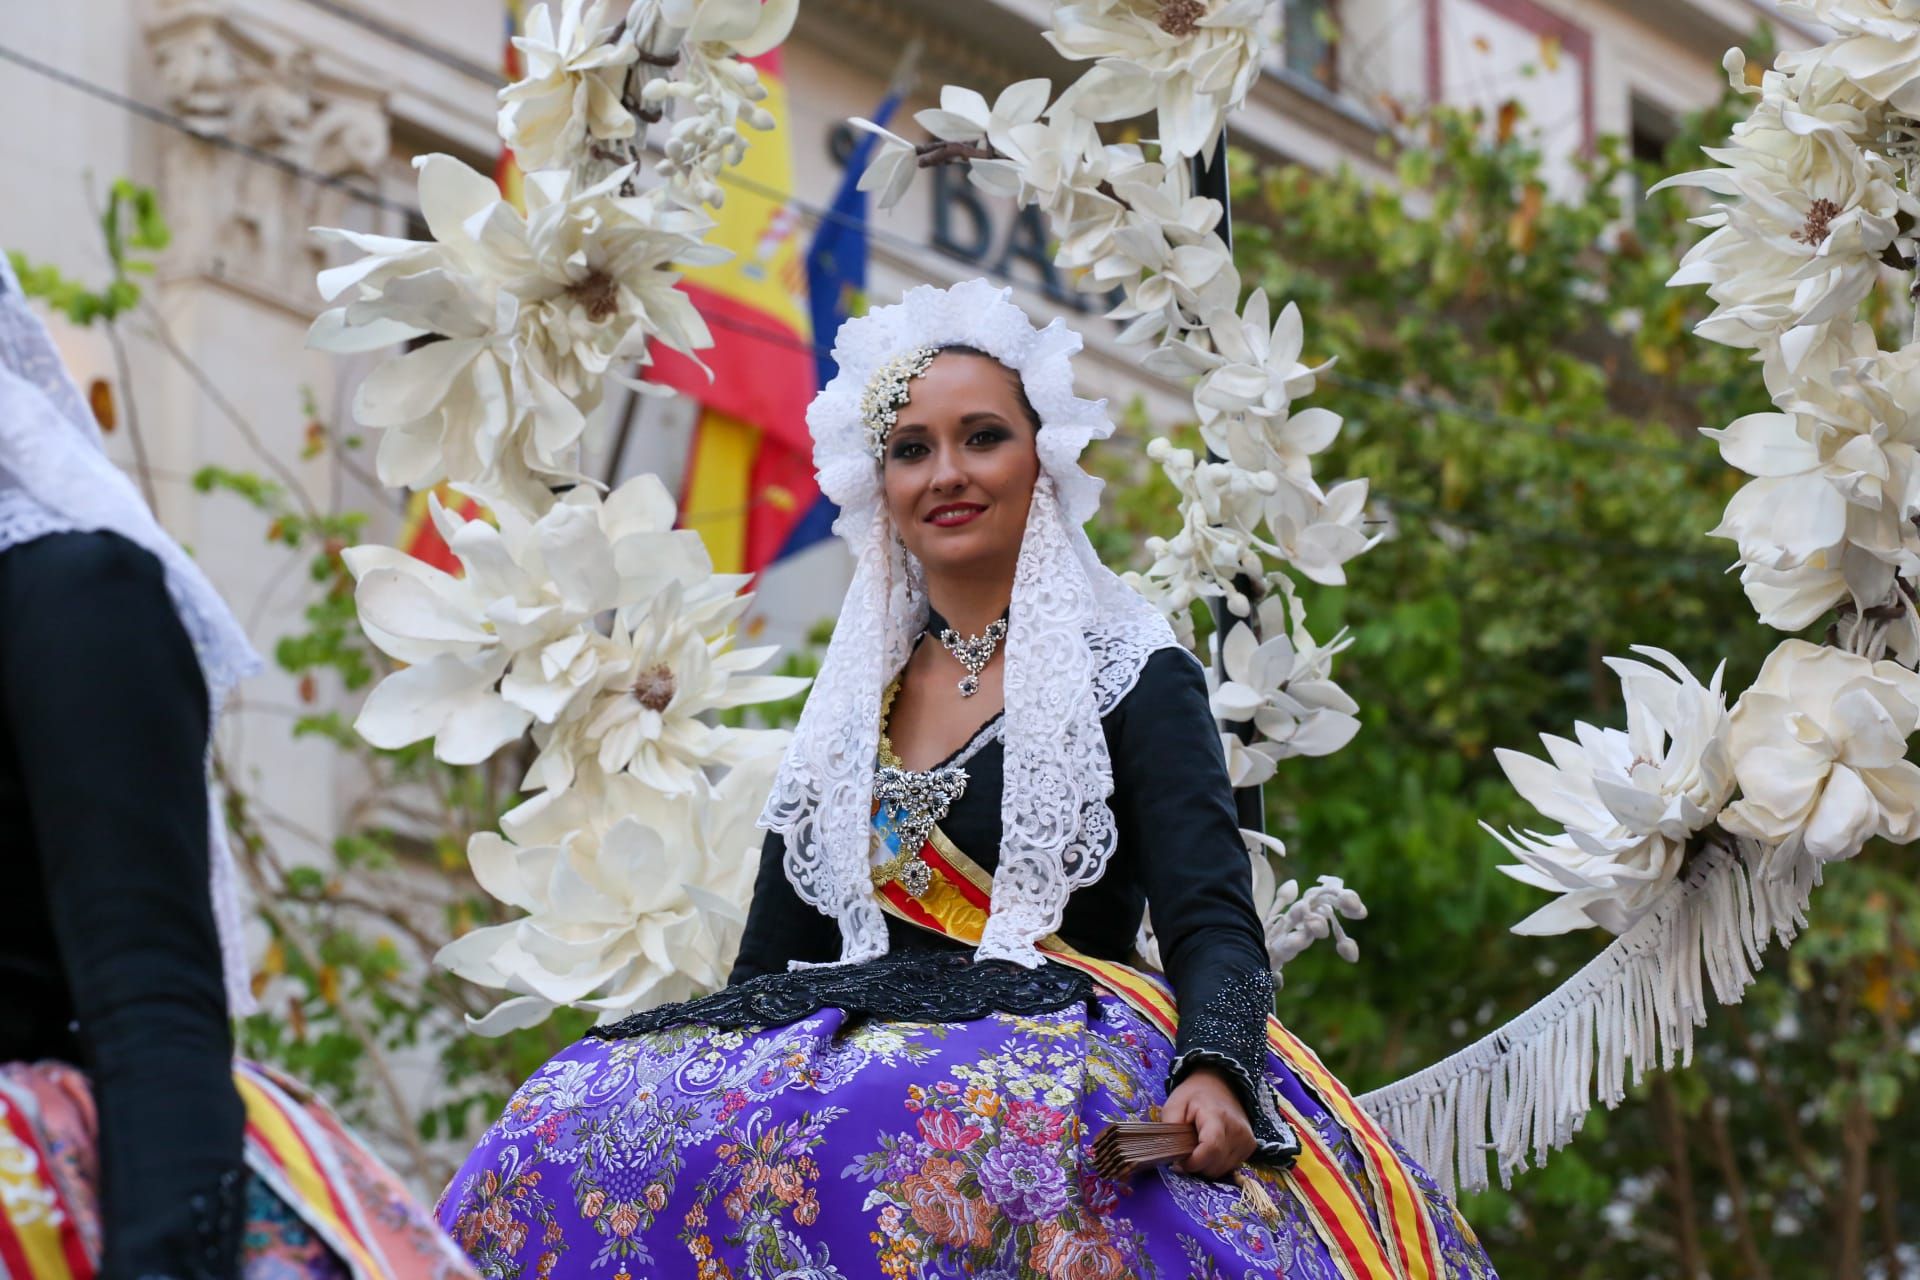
256 120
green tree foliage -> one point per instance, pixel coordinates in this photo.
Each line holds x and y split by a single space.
1525 395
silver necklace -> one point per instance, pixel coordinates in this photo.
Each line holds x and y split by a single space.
973 652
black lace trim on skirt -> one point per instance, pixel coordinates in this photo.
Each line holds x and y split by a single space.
903 986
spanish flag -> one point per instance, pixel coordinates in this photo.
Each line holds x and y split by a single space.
750 468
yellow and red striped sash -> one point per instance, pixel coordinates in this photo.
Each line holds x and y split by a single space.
956 906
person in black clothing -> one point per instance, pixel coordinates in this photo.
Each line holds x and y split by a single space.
111 960
124 1117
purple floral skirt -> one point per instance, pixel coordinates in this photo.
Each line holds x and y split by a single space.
836 1148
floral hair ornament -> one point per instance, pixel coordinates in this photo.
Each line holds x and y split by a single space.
887 392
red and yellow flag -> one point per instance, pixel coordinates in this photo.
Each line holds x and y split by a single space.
750 470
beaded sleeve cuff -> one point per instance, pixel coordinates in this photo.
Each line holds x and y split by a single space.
1229 1034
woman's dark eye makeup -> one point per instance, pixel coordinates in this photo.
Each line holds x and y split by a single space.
915 447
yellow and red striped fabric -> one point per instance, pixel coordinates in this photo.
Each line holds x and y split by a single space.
50 1227
956 906
40 1224
750 468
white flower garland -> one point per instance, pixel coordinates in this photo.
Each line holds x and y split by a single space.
587 621
1699 833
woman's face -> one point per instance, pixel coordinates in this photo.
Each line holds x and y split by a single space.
960 467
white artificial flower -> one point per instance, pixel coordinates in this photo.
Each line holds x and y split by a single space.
649 712
511 641
600 287
744 28
1174 270
1316 534
1255 368
964 116
1284 684
1797 245
694 49
1877 45
1836 481
632 897
891 170
1819 746
577 62
1220 504
528 307
1293 921
1188 61
1628 802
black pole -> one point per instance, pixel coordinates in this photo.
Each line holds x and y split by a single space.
1210 180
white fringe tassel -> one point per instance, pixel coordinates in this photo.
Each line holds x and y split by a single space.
1527 1087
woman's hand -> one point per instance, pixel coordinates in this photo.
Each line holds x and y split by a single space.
1206 1101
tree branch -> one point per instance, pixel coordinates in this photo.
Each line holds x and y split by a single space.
251 840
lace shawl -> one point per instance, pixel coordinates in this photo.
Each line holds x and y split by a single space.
1077 638
56 478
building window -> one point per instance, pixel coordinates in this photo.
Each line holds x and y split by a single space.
1651 129
1309 33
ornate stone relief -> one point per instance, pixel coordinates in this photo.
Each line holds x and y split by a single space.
237 216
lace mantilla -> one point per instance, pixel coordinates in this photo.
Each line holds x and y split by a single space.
906 986
55 478
1077 638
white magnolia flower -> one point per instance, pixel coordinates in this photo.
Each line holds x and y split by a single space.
1189 61
1284 685
529 307
600 286
743 28
511 641
673 664
1836 481
1629 802
1819 745
577 61
1798 244
633 897
1878 45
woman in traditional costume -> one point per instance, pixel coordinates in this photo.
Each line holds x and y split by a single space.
132 1146
1006 759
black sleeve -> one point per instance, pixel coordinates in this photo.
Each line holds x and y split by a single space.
780 927
106 712
1171 792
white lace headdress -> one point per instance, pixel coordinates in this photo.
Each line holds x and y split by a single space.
55 478
1077 638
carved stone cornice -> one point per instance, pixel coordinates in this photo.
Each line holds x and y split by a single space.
234 217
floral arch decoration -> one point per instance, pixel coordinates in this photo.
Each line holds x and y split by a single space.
589 623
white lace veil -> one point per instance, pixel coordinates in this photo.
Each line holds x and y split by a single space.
1077 638
55 478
